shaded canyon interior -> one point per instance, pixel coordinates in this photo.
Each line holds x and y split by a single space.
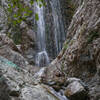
56 57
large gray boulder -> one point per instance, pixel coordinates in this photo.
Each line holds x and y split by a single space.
10 51
18 84
13 56
37 92
76 89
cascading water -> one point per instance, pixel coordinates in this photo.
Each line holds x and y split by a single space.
56 29
50 33
42 58
58 24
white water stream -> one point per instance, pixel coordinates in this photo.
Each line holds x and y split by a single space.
42 56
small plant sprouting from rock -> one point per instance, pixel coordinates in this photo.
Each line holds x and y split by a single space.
66 44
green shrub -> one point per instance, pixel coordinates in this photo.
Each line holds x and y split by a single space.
17 11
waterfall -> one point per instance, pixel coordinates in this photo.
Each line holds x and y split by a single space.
42 58
58 24
49 41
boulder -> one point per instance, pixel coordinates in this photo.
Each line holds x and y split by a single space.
13 53
72 79
76 91
37 92
13 56
10 51
12 79
5 40
18 84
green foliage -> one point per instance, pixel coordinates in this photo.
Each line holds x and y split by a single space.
66 44
40 4
31 2
18 11
36 17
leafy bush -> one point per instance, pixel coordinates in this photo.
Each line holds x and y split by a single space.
17 11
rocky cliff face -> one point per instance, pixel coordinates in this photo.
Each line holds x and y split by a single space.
82 43
3 19
80 56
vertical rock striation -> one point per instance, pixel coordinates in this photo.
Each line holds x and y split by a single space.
80 56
